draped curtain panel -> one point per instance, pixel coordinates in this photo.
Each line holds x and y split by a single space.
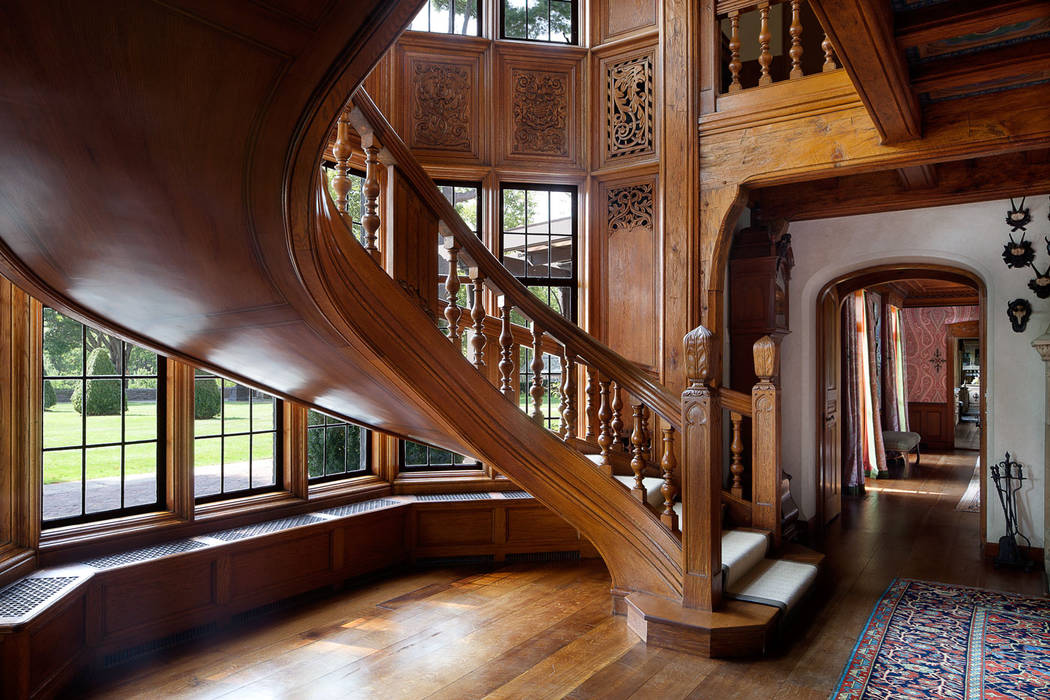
853 454
896 408
865 454
876 461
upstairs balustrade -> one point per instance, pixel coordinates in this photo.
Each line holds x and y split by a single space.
766 42
595 401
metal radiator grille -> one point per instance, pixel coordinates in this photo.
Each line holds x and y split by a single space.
543 556
239 533
22 597
517 494
361 507
145 554
453 497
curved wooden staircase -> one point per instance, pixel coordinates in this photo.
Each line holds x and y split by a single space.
192 215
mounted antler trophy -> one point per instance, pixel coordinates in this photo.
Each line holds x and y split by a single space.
1019 311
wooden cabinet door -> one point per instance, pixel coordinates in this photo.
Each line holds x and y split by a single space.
829 370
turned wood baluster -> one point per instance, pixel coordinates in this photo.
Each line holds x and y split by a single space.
370 217
647 437
506 351
765 58
605 436
568 393
829 54
736 451
453 312
590 412
342 152
638 445
561 400
617 418
477 314
796 40
669 489
734 52
536 392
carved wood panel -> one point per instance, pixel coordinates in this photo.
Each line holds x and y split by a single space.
441 110
539 110
627 212
615 18
625 108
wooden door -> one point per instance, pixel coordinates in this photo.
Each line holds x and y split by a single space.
830 431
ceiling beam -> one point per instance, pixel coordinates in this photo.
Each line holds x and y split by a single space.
958 182
862 34
918 177
952 19
1024 58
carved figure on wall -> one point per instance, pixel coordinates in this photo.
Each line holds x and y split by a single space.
1019 311
441 105
629 108
630 207
541 106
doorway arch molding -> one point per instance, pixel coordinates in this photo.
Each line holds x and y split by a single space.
860 276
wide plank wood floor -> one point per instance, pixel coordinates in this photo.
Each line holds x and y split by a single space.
544 630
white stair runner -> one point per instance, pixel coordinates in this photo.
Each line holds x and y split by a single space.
746 572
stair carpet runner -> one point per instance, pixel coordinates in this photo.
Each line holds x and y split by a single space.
747 573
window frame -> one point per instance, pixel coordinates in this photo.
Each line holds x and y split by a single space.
160 438
573 280
479 6
366 450
278 449
575 24
429 467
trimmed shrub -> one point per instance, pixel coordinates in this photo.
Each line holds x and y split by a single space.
49 396
104 396
207 399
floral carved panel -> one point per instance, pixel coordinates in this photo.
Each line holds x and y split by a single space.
630 108
540 112
441 101
630 207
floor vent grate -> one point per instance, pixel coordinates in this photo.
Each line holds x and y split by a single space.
146 648
145 554
543 556
23 597
453 497
456 561
240 533
362 507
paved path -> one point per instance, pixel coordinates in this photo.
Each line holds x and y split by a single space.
62 500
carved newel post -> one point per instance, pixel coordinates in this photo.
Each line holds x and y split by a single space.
701 476
765 440
1042 346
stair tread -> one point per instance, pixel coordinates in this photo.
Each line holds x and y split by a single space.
652 489
777 582
741 552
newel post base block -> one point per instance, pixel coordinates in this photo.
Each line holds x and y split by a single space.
737 629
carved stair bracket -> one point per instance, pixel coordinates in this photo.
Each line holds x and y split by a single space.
698 344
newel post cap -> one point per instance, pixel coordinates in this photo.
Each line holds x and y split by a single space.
698 344
765 351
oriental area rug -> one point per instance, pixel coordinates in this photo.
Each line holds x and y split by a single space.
934 640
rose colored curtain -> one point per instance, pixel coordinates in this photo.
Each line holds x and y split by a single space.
864 453
896 408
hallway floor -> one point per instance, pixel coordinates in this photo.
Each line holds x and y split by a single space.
544 630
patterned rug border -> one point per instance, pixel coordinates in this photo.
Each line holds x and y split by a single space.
903 583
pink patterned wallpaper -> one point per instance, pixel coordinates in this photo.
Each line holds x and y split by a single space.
924 334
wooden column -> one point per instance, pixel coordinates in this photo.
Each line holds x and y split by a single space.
766 472
180 416
701 476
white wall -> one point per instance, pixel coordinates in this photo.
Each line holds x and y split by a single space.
969 236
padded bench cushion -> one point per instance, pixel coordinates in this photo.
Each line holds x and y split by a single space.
896 441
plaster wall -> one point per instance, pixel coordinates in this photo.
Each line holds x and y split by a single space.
971 237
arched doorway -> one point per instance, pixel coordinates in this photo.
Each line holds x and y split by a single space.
829 379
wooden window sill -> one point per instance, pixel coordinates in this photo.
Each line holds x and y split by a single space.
442 482
15 562
355 488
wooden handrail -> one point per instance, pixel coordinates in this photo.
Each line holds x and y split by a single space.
736 401
473 253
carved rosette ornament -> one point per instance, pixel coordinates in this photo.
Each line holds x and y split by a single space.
697 344
441 105
629 108
630 207
541 106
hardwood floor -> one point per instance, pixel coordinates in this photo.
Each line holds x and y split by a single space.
544 630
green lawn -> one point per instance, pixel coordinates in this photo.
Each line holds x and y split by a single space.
63 428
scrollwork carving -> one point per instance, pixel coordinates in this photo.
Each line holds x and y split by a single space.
441 105
630 207
541 107
629 108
